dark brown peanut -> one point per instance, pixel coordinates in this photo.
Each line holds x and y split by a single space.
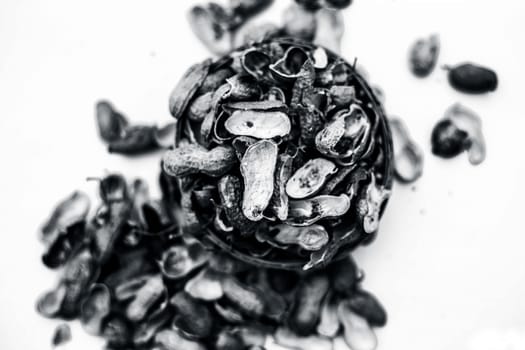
473 79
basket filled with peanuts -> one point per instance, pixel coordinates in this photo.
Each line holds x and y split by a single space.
277 165
283 154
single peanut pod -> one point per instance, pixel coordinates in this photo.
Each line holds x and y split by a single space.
94 308
128 288
69 211
468 121
287 68
194 159
80 271
172 340
330 29
347 136
306 312
408 157
49 304
214 80
472 79
424 55
329 323
226 340
305 212
200 107
255 62
178 261
145 331
228 312
366 305
369 205
190 82
246 298
344 275
253 300
358 334
258 124
309 178
146 296
192 316
312 237
250 335
257 169
61 335
206 285
299 22
111 124
287 338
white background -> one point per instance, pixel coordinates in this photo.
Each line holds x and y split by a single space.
449 263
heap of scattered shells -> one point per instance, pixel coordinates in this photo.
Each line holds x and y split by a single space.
131 276
283 156
262 171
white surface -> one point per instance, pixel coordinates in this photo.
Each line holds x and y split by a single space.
449 263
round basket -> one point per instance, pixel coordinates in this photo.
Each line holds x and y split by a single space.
348 233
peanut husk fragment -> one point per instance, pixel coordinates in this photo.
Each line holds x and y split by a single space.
257 168
230 192
190 82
